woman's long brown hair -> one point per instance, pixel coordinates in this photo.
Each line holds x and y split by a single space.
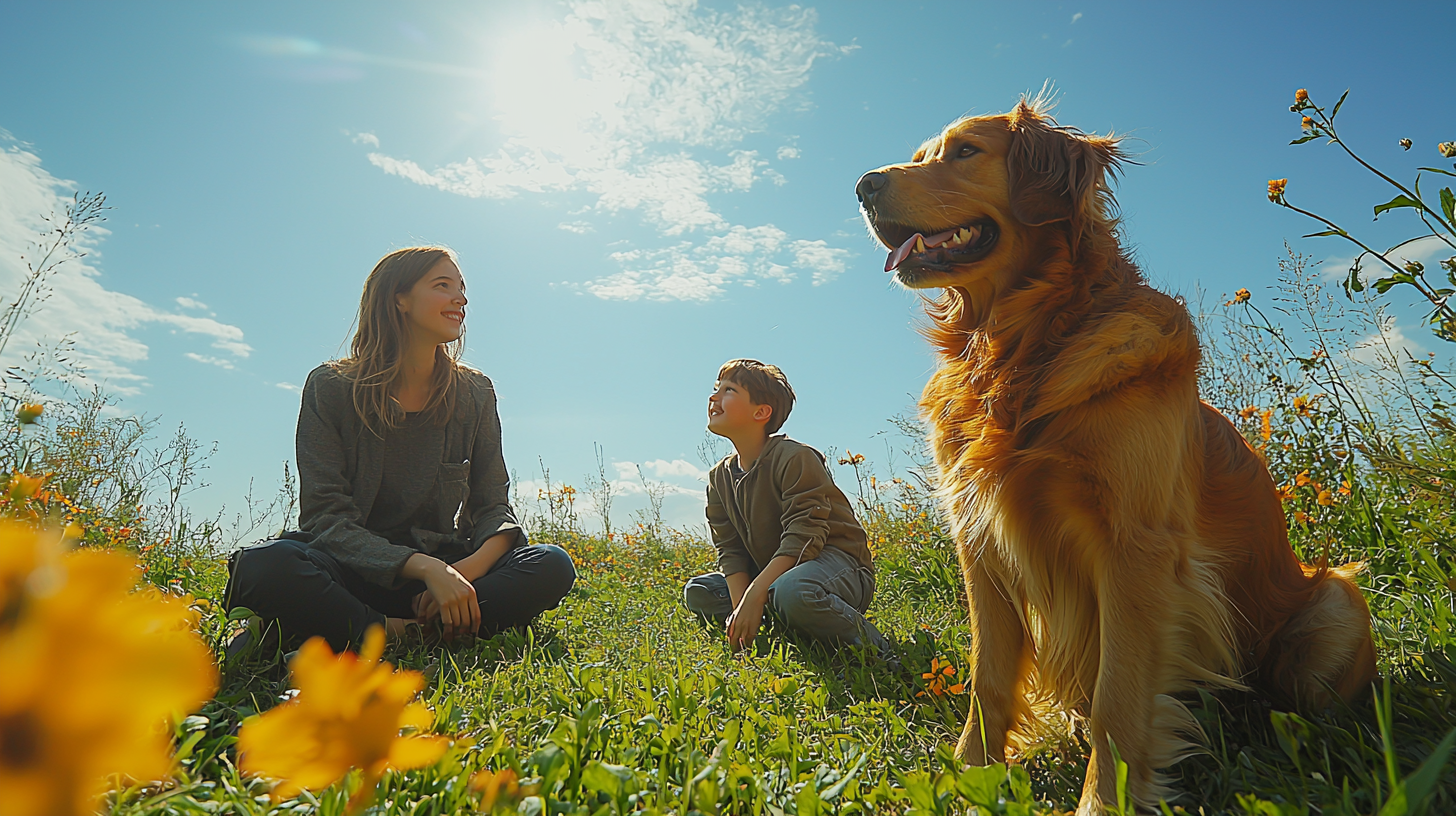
374 364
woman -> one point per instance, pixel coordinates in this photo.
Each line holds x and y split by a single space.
403 502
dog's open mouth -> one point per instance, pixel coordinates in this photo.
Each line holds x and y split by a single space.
943 250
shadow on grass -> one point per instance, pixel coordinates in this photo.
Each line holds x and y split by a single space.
1336 759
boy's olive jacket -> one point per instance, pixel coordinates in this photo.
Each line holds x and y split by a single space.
785 504
341 464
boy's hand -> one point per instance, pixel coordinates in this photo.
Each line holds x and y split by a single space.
744 622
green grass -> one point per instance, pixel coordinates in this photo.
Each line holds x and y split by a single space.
621 700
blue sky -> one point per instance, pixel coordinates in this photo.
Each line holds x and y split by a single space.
638 191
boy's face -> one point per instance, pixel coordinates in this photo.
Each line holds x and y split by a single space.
732 412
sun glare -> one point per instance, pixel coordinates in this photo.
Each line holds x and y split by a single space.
538 96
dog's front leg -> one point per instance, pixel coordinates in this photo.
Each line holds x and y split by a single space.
1133 625
1001 656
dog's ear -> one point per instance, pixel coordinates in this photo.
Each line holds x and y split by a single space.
1056 173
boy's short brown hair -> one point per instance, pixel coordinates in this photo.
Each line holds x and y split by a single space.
766 385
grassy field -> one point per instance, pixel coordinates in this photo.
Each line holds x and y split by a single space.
620 701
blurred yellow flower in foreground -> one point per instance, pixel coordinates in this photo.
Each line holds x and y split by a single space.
93 671
347 714
29 412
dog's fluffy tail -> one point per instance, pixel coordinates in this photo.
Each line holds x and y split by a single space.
1325 649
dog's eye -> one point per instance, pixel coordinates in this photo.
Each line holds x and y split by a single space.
966 151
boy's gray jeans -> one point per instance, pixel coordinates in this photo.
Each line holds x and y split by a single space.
824 598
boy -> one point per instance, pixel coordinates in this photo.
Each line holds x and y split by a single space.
785 535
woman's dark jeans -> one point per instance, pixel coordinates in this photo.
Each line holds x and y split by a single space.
307 592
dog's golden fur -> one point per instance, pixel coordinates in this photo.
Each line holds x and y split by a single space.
1120 541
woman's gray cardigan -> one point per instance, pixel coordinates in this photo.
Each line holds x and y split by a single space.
341 463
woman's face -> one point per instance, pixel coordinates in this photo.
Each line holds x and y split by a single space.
434 308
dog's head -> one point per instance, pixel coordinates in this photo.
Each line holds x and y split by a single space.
973 206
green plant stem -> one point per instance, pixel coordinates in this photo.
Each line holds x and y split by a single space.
1328 124
1438 302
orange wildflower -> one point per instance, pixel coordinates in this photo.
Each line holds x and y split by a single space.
29 412
23 486
1248 411
1265 429
495 785
1276 189
1301 96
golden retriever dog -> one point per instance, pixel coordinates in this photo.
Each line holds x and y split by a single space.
1121 543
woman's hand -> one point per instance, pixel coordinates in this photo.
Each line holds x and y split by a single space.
447 594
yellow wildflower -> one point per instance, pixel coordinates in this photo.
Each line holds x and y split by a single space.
1266 430
1306 123
1325 498
1302 478
1241 296
93 673
1301 516
347 714
1276 189
29 412
1303 404
1301 96
1248 411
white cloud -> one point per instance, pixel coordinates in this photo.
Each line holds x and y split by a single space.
578 227
191 303
203 358
289 387
787 152
641 104
659 472
744 255
1388 341
366 139
826 261
1076 17
1428 250
662 469
101 323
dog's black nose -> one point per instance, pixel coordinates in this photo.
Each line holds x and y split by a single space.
870 184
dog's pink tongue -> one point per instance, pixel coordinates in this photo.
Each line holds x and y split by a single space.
901 253
908 248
